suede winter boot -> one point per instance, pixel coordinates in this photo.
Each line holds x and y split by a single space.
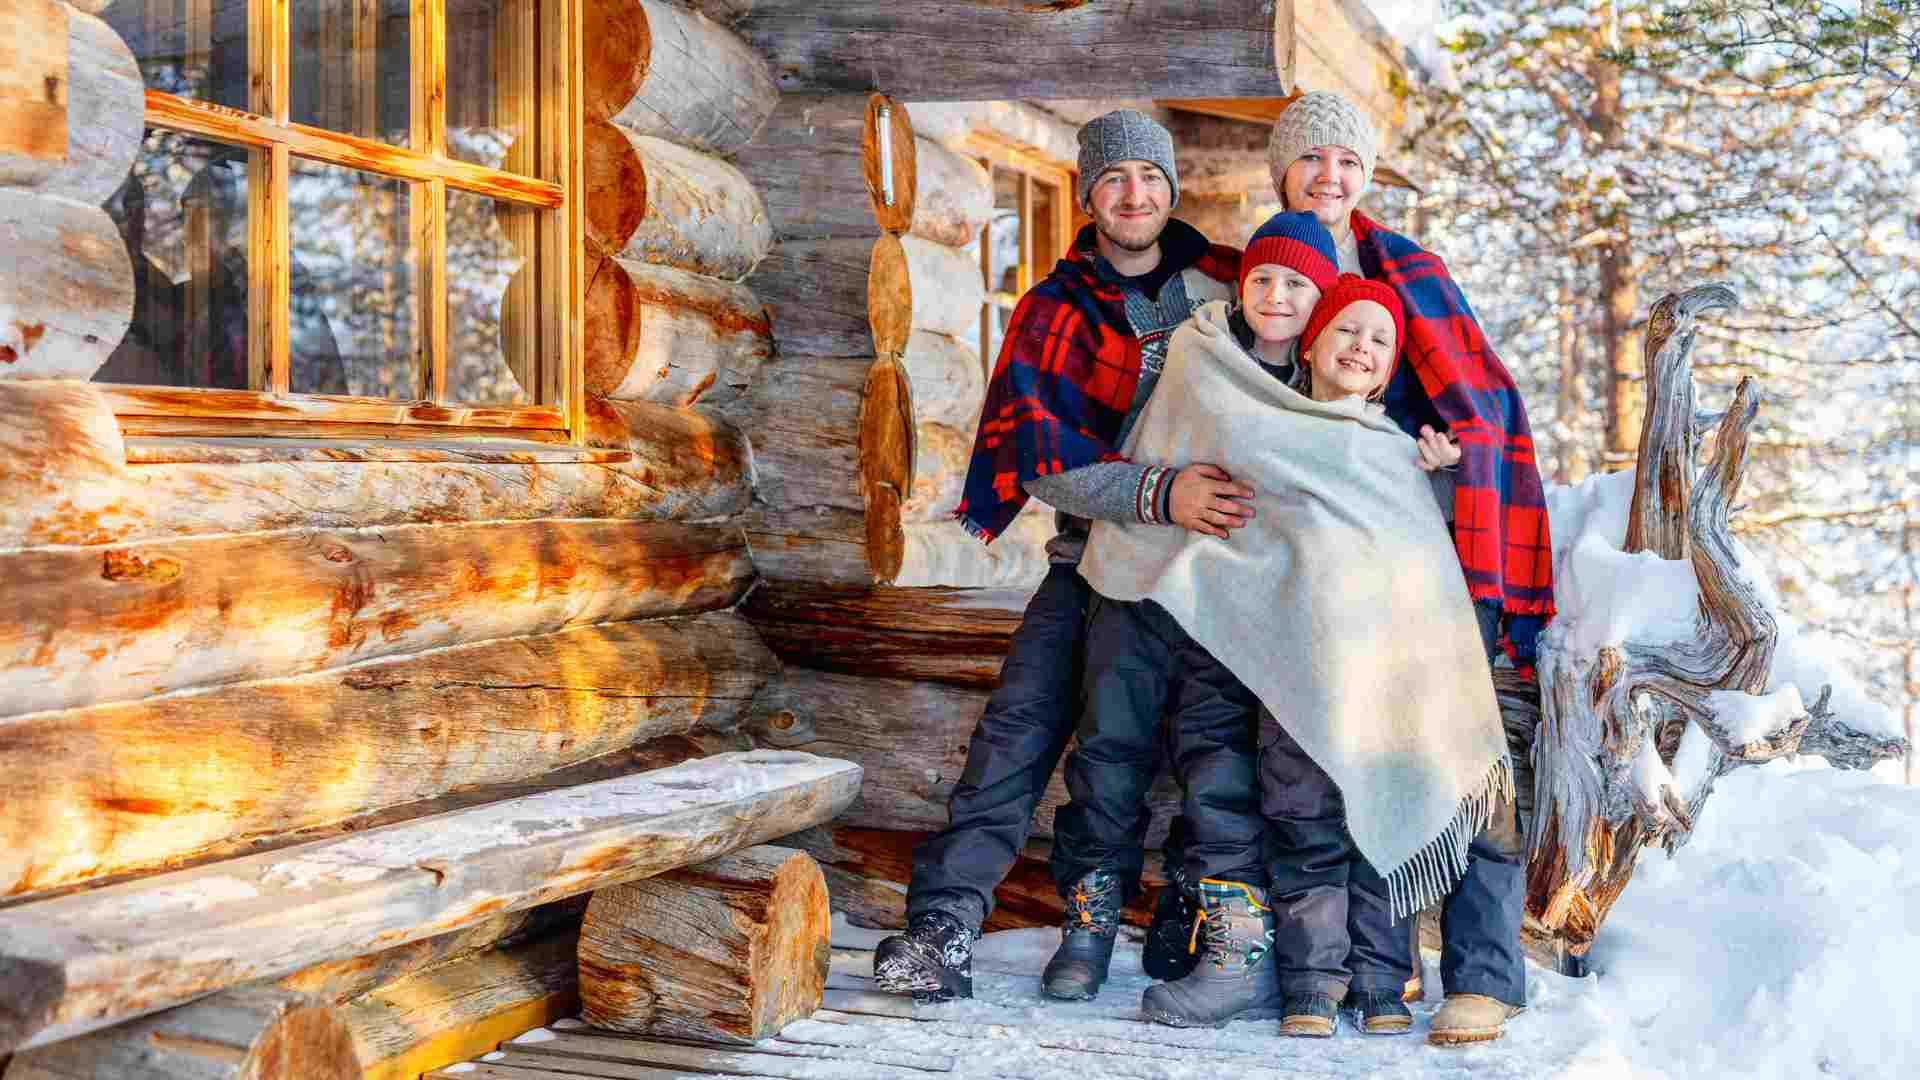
1309 1015
933 960
1469 1018
1235 978
1079 965
1167 953
1377 1012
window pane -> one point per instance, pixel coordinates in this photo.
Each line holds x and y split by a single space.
493 300
194 48
1046 203
183 212
1003 269
491 74
352 70
353 327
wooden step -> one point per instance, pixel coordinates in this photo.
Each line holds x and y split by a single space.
83 962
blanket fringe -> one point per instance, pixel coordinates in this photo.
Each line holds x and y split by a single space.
1432 872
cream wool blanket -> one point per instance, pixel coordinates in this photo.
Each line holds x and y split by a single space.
1341 605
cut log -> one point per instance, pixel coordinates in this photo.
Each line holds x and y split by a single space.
909 737
819 166
655 201
826 545
953 195
943 553
815 292
33 90
91 626
249 1033
949 382
935 50
940 457
942 288
657 69
64 477
957 636
654 333
68 293
343 980
83 962
729 951
101 104
119 788
463 1009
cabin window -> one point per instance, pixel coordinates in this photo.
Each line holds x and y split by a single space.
1032 225
349 215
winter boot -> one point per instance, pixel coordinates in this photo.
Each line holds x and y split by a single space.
1469 1018
1308 1015
1235 977
1377 1012
1167 954
933 960
1079 965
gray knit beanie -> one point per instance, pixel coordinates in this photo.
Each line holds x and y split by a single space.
1319 119
1124 135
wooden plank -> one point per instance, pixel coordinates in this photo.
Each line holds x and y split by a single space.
91 626
33 80
772 1057
115 789
243 1034
87 961
568 1070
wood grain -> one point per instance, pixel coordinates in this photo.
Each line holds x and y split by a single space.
655 201
816 294
655 333
816 165
68 292
88 91
700 84
248 1033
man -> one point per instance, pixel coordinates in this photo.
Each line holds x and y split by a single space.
1080 358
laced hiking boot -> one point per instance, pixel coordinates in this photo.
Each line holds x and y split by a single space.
1377 1012
1469 1018
1079 965
1235 978
1168 953
933 960
1310 1016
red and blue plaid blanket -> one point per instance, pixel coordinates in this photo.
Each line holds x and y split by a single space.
1500 510
1065 378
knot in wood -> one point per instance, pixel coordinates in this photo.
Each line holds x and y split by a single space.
127 566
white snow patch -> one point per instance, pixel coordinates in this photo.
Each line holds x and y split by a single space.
537 1035
141 903
1751 717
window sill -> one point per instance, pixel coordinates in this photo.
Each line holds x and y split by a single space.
182 450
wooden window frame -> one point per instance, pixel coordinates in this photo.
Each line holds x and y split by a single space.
998 153
266 130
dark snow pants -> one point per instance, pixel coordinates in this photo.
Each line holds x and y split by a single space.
1140 667
1010 758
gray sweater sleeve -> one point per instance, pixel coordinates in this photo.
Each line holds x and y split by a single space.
1108 491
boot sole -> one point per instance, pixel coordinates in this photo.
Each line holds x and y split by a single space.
1464 1036
1070 995
900 975
1310 1028
1172 1019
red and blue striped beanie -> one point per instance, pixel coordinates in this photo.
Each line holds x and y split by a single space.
1296 240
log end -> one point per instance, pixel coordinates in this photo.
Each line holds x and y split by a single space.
886 426
612 326
889 295
308 1040
797 948
616 188
619 49
895 173
30 991
886 538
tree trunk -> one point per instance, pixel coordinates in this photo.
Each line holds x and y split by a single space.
654 201
250 1033
818 165
941 288
103 112
940 51
86 626
1572 466
949 382
115 789
657 69
816 294
1619 291
68 292
654 333
83 962
463 1009
729 951
953 195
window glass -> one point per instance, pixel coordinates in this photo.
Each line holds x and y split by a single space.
493 322
353 326
352 64
192 48
492 52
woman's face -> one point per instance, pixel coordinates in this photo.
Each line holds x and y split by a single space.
1276 301
1327 180
1354 354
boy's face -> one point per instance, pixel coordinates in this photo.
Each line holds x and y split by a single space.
1354 353
1326 180
1277 301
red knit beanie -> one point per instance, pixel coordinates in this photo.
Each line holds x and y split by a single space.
1347 289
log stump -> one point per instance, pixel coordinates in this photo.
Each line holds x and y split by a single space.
652 200
654 333
731 950
248 1033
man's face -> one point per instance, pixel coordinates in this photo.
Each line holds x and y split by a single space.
1326 180
1130 203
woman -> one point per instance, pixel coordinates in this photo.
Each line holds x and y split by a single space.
1322 155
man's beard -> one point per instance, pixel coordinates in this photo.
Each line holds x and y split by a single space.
1128 245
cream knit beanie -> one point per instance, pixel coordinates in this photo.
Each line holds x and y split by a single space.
1319 119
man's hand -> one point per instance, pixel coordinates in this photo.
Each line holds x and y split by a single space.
1207 500
1437 449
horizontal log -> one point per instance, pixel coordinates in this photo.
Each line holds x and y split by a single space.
341 981
817 164
87 961
949 381
89 626
463 1009
728 951
910 739
921 285
815 292
935 50
64 476
826 429
953 195
68 292
654 333
249 1033
986 617
655 201
940 457
102 107
944 553
658 69
825 545
115 789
